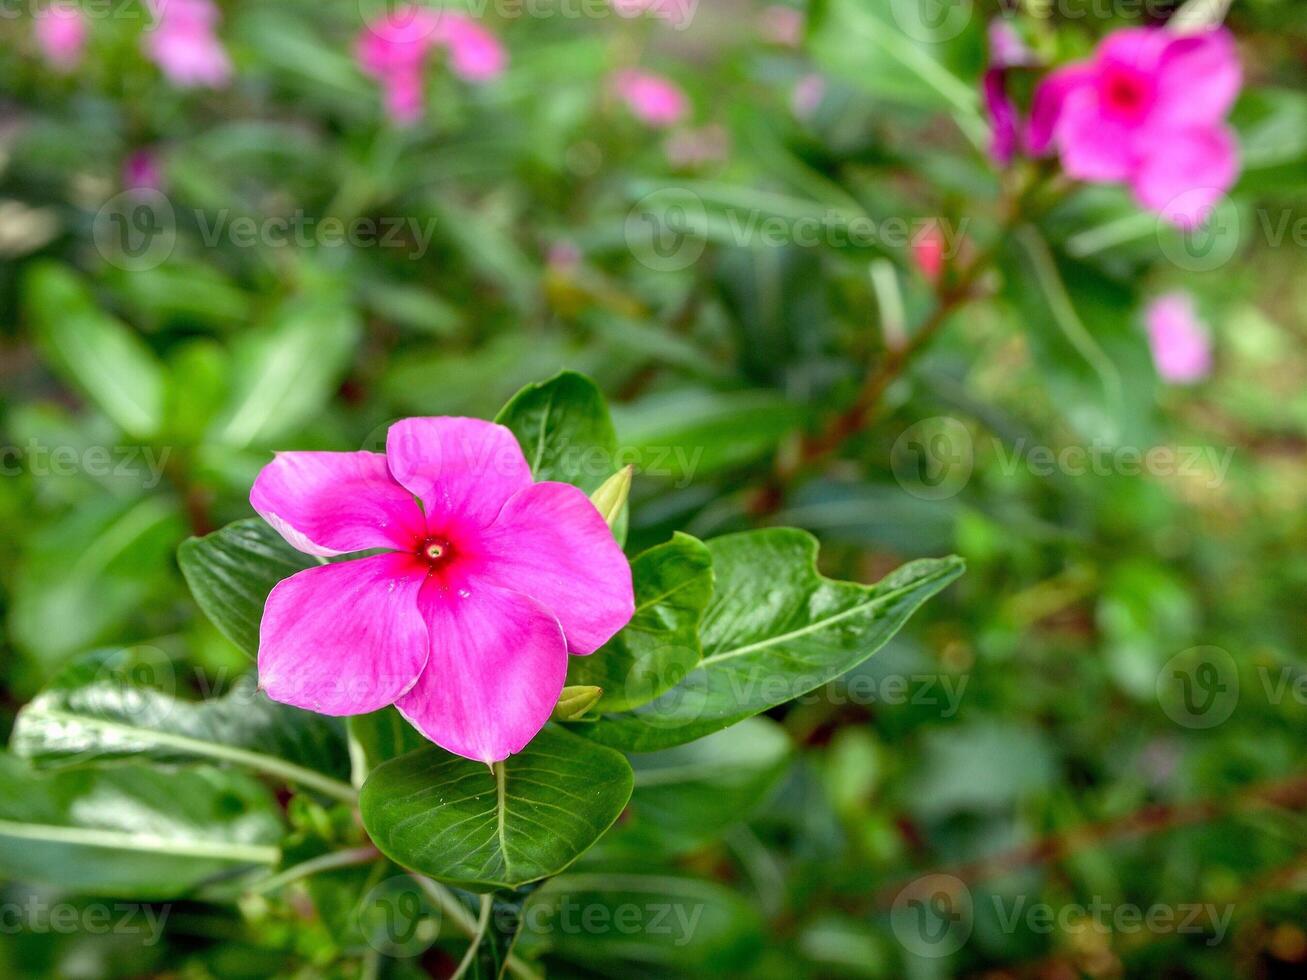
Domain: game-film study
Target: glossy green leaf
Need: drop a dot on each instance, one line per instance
(564, 429)
(775, 630)
(97, 353)
(117, 704)
(459, 822)
(231, 572)
(380, 736)
(131, 831)
(660, 645)
(635, 924)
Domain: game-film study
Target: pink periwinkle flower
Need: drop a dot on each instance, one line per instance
(393, 49)
(1181, 345)
(653, 99)
(464, 621)
(781, 25)
(928, 252)
(141, 171)
(60, 31)
(1149, 110)
(807, 95)
(185, 45)
(677, 13)
(1006, 51)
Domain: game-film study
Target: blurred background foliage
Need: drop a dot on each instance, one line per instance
(1013, 737)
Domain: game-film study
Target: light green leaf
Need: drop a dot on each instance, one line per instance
(96, 353)
(133, 831)
(455, 820)
(116, 705)
(660, 645)
(564, 429)
(231, 572)
(775, 630)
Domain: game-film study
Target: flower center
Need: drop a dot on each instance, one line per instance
(1126, 94)
(435, 551)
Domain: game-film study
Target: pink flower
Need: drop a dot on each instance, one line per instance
(781, 25)
(677, 13)
(393, 49)
(1006, 51)
(141, 172)
(61, 35)
(465, 621)
(1181, 347)
(183, 43)
(928, 252)
(1149, 110)
(653, 99)
(807, 95)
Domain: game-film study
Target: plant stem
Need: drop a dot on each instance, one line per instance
(462, 919)
(483, 923)
(324, 862)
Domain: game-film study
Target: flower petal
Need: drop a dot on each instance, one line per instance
(552, 544)
(345, 638)
(1198, 79)
(1184, 173)
(328, 504)
(1046, 109)
(461, 469)
(498, 663)
(1093, 146)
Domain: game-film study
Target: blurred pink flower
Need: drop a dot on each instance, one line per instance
(1180, 342)
(60, 31)
(1149, 110)
(394, 48)
(653, 99)
(678, 13)
(807, 95)
(183, 43)
(781, 25)
(141, 172)
(1006, 51)
(465, 618)
(928, 252)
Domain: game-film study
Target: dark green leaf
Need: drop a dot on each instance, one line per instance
(564, 429)
(455, 820)
(231, 572)
(660, 645)
(774, 631)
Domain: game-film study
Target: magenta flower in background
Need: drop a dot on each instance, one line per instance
(1006, 51)
(60, 31)
(141, 172)
(466, 619)
(1149, 110)
(1181, 344)
(806, 97)
(184, 43)
(781, 25)
(393, 49)
(652, 99)
(928, 252)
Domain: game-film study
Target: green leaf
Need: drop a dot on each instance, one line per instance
(98, 354)
(284, 375)
(381, 736)
(564, 429)
(774, 631)
(231, 572)
(133, 831)
(456, 821)
(660, 645)
(116, 704)
(691, 794)
(644, 925)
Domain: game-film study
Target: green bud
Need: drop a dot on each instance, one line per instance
(575, 701)
(610, 498)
